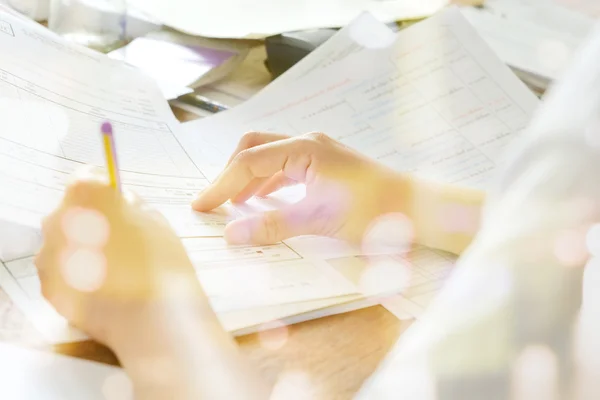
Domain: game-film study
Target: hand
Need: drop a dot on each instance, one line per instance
(113, 267)
(345, 191)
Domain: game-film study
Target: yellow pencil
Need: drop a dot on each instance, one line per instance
(111, 155)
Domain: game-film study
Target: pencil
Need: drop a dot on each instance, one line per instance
(110, 152)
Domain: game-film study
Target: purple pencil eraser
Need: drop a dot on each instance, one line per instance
(107, 128)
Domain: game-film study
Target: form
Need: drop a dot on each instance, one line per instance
(53, 99)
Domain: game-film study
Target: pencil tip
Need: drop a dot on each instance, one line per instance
(107, 128)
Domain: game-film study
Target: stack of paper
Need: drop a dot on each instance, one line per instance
(434, 100)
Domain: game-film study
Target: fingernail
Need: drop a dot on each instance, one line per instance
(238, 232)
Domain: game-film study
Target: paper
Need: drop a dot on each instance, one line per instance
(365, 35)
(230, 288)
(53, 99)
(262, 18)
(274, 283)
(179, 62)
(31, 375)
(51, 111)
(533, 36)
(437, 102)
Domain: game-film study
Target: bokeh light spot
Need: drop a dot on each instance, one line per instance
(388, 234)
(570, 248)
(275, 337)
(86, 227)
(372, 35)
(457, 218)
(592, 240)
(535, 374)
(591, 287)
(385, 275)
(83, 269)
(293, 385)
(117, 387)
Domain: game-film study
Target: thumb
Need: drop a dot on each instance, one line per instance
(274, 226)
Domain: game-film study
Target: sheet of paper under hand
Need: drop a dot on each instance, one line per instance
(262, 18)
(33, 375)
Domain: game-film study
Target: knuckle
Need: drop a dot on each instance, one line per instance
(88, 193)
(319, 137)
(306, 143)
(84, 187)
(250, 139)
(244, 157)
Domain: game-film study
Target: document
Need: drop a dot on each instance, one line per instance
(53, 98)
(261, 18)
(436, 102)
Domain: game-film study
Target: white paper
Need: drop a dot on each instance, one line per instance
(32, 375)
(534, 36)
(262, 18)
(444, 108)
(364, 35)
(53, 99)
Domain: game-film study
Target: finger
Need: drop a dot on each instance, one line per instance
(303, 218)
(278, 181)
(92, 193)
(89, 173)
(253, 139)
(264, 229)
(249, 190)
(292, 156)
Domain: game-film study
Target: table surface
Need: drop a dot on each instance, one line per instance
(336, 353)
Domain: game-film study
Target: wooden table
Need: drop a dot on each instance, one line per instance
(336, 353)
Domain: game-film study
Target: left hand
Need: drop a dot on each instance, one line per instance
(345, 191)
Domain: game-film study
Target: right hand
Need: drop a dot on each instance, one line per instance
(345, 191)
(114, 267)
